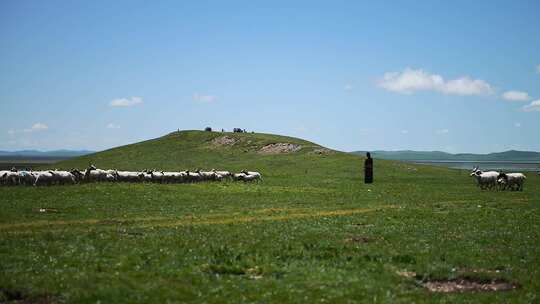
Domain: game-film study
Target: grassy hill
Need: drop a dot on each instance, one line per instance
(198, 150)
(190, 150)
(310, 232)
(511, 155)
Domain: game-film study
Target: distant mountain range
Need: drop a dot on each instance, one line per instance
(36, 153)
(511, 155)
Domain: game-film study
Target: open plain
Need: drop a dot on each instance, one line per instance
(310, 232)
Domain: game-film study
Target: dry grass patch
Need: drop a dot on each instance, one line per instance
(468, 285)
(359, 239)
(279, 148)
(224, 141)
(460, 284)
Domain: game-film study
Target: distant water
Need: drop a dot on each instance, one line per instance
(484, 165)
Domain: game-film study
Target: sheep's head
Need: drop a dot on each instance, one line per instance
(477, 173)
(502, 176)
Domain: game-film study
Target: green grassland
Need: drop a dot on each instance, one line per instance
(311, 232)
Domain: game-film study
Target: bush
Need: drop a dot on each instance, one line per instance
(208, 129)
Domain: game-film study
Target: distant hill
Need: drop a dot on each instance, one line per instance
(198, 149)
(39, 154)
(511, 155)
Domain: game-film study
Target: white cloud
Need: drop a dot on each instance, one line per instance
(204, 98)
(113, 126)
(126, 102)
(37, 127)
(404, 131)
(538, 69)
(517, 125)
(467, 86)
(534, 106)
(516, 96)
(348, 87)
(443, 131)
(410, 81)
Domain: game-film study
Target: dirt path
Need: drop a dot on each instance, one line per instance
(157, 222)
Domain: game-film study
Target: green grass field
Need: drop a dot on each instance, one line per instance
(311, 232)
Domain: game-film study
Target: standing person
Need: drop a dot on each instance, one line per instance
(368, 169)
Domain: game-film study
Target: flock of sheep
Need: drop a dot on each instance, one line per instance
(92, 174)
(485, 180)
(498, 180)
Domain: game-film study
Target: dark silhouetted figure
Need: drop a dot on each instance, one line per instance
(368, 169)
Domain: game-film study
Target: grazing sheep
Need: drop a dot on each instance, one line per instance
(513, 181)
(174, 177)
(223, 174)
(239, 176)
(63, 177)
(207, 175)
(44, 178)
(127, 176)
(193, 177)
(252, 177)
(145, 176)
(485, 180)
(10, 178)
(244, 176)
(3, 173)
(157, 176)
(27, 178)
(257, 174)
(79, 176)
(94, 174)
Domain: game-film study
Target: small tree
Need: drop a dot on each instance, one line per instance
(208, 129)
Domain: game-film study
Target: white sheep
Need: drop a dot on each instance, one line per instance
(514, 181)
(44, 178)
(207, 175)
(239, 176)
(63, 177)
(144, 176)
(11, 178)
(223, 174)
(157, 176)
(246, 177)
(252, 177)
(3, 174)
(94, 174)
(257, 174)
(26, 178)
(485, 179)
(79, 176)
(127, 176)
(193, 176)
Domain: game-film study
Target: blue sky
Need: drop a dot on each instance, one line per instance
(454, 76)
